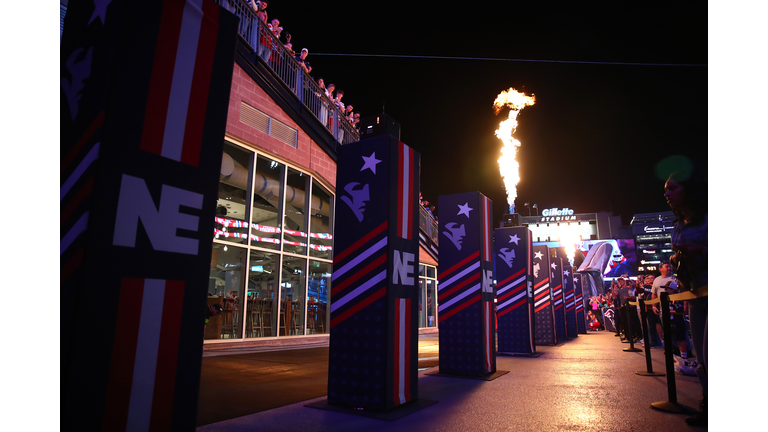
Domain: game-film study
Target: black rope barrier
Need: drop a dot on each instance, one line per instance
(671, 405)
(630, 333)
(646, 339)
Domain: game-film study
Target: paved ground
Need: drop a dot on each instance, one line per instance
(586, 384)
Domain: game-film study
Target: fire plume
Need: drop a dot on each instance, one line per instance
(569, 237)
(508, 166)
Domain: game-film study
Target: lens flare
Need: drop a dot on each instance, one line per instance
(508, 166)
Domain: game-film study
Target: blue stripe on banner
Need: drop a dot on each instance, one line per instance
(461, 275)
(359, 290)
(447, 304)
(511, 285)
(360, 258)
(512, 300)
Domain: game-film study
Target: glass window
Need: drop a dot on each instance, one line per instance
(231, 223)
(431, 288)
(432, 272)
(295, 220)
(319, 289)
(292, 296)
(320, 222)
(262, 295)
(422, 312)
(267, 193)
(225, 287)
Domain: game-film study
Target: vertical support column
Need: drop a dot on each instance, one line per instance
(514, 290)
(373, 360)
(581, 314)
(144, 94)
(465, 287)
(558, 295)
(570, 300)
(543, 308)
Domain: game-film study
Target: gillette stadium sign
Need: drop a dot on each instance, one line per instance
(557, 212)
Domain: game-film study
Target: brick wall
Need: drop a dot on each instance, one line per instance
(307, 155)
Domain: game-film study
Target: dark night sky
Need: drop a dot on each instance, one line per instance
(596, 132)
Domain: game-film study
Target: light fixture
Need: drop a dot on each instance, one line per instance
(225, 248)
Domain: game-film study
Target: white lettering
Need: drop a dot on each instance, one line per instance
(487, 285)
(403, 268)
(136, 203)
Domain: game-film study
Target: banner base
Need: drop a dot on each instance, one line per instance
(393, 414)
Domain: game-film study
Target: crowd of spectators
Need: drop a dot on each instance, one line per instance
(428, 207)
(267, 50)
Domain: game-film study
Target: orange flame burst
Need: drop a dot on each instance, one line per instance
(508, 166)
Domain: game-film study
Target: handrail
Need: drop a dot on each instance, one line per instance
(285, 66)
(428, 224)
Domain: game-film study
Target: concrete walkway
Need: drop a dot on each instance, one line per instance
(586, 384)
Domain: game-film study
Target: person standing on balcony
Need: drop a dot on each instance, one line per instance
(275, 27)
(340, 106)
(289, 47)
(349, 114)
(264, 43)
(260, 8)
(302, 59)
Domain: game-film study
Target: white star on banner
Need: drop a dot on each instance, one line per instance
(514, 239)
(370, 162)
(464, 209)
(538, 255)
(554, 266)
(100, 11)
(567, 273)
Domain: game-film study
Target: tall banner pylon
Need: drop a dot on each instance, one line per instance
(465, 285)
(373, 359)
(544, 311)
(514, 290)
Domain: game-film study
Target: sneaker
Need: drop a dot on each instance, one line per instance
(685, 366)
(700, 419)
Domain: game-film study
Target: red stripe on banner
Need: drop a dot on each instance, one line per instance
(162, 77)
(459, 264)
(568, 309)
(400, 175)
(123, 354)
(407, 350)
(353, 310)
(486, 231)
(511, 308)
(542, 306)
(201, 82)
(464, 305)
(540, 283)
(459, 286)
(92, 128)
(411, 167)
(396, 358)
(502, 283)
(72, 265)
(542, 294)
(511, 292)
(167, 356)
(362, 272)
(78, 199)
(487, 323)
(558, 307)
(337, 258)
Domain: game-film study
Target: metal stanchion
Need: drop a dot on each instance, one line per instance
(648, 364)
(670, 405)
(630, 333)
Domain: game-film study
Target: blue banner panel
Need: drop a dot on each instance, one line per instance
(514, 289)
(543, 308)
(143, 108)
(465, 285)
(373, 359)
(558, 294)
(580, 301)
(570, 303)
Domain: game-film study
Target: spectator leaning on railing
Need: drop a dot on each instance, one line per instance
(302, 59)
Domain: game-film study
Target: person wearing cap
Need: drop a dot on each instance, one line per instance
(302, 59)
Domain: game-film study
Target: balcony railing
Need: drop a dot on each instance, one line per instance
(271, 50)
(428, 224)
